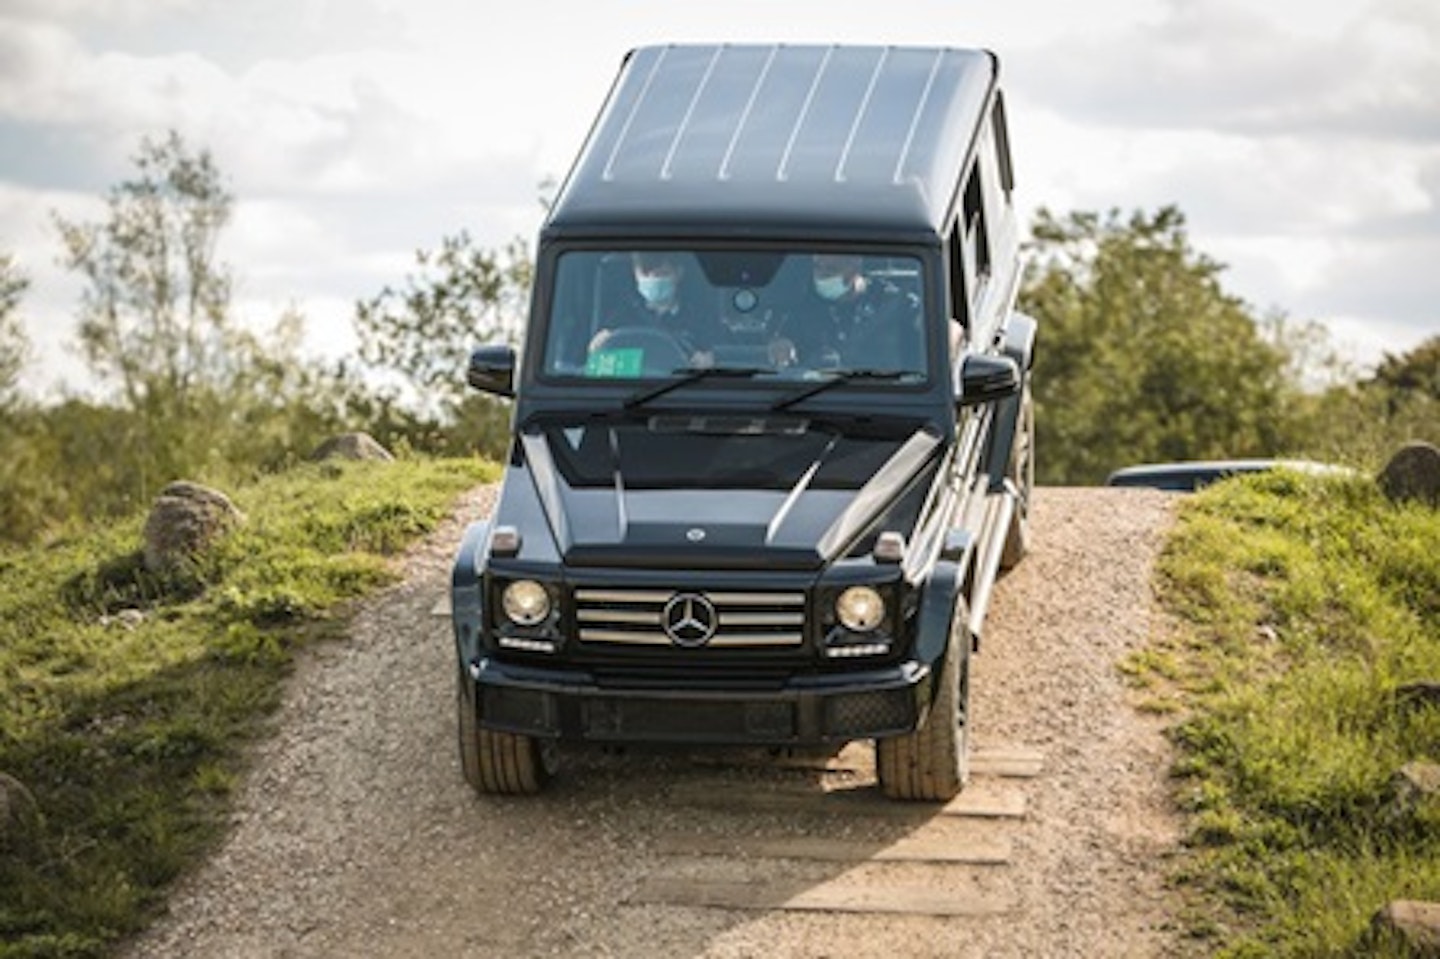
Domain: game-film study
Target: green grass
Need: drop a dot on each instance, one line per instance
(1304, 603)
(129, 737)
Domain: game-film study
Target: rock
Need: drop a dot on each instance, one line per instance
(1414, 783)
(19, 815)
(351, 446)
(126, 619)
(1413, 473)
(185, 521)
(1412, 925)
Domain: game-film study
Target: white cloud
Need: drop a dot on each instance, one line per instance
(1338, 69)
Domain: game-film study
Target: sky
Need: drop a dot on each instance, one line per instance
(1301, 139)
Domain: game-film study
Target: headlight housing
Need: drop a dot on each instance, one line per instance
(526, 602)
(860, 609)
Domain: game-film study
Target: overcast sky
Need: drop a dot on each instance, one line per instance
(1301, 139)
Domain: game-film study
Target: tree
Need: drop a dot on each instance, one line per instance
(461, 297)
(1143, 356)
(1417, 371)
(14, 345)
(155, 311)
(200, 394)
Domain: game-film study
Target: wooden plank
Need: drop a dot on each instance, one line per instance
(1007, 765)
(987, 804)
(822, 897)
(972, 851)
(982, 802)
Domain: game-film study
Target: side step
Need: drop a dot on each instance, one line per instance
(999, 510)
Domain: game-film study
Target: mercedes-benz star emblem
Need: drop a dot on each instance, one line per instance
(689, 619)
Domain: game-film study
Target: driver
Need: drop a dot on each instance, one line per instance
(658, 304)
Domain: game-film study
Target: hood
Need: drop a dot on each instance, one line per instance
(710, 493)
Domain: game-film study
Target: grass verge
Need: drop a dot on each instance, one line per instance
(1304, 604)
(126, 697)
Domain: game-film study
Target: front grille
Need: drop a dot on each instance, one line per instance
(750, 619)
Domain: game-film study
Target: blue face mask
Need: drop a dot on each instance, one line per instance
(831, 287)
(656, 289)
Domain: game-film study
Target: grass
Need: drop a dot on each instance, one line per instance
(1304, 604)
(128, 729)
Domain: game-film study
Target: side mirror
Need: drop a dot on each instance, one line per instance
(492, 370)
(985, 379)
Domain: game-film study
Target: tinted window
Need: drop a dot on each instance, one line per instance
(803, 314)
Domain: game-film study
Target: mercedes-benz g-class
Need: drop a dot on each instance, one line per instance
(772, 420)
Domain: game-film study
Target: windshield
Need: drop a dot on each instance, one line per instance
(800, 314)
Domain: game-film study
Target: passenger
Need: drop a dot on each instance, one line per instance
(658, 305)
(851, 321)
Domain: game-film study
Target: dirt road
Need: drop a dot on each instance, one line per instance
(356, 835)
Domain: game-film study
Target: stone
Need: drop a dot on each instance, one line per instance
(1413, 474)
(126, 619)
(351, 446)
(1415, 783)
(1412, 925)
(186, 520)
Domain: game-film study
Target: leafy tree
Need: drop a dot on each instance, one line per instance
(461, 297)
(14, 345)
(1364, 422)
(1417, 371)
(1143, 356)
(155, 310)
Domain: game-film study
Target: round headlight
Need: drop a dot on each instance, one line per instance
(860, 609)
(526, 602)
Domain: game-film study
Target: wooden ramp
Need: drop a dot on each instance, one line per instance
(878, 857)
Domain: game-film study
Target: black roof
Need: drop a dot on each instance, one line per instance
(779, 140)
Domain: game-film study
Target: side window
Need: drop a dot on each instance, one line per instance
(959, 305)
(1002, 146)
(977, 237)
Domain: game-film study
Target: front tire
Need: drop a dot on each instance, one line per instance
(497, 763)
(932, 763)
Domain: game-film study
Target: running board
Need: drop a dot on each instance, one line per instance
(999, 510)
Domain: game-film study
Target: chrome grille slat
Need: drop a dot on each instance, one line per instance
(630, 636)
(641, 616)
(746, 619)
(742, 640)
(623, 596)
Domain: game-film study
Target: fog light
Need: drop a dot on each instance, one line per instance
(526, 602)
(860, 609)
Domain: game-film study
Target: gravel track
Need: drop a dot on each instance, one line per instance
(355, 835)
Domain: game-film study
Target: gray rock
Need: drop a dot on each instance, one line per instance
(186, 520)
(351, 446)
(1413, 473)
(1415, 783)
(1411, 925)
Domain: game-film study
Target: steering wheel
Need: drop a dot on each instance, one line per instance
(660, 350)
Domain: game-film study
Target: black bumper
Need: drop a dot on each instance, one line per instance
(805, 711)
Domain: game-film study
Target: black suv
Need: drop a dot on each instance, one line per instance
(772, 424)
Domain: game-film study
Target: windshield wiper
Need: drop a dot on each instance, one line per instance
(841, 376)
(694, 374)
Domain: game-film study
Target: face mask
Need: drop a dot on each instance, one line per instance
(831, 287)
(656, 289)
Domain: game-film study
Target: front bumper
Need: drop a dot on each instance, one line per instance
(808, 710)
